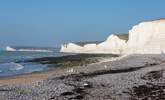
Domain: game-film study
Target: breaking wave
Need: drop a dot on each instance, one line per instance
(16, 67)
(12, 66)
(8, 48)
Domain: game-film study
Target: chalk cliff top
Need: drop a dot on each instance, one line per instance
(123, 36)
(156, 20)
(147, 37)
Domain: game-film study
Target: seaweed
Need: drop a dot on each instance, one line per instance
(71, 60)
(147, 92)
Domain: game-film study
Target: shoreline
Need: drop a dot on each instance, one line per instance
(53, 72)
(41, 75)
(31, 77)
(131, 77)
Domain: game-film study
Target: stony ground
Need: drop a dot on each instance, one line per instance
(135, 77)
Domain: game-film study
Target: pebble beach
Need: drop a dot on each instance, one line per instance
(132, 77)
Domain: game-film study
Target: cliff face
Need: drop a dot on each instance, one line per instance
(144, 38)
(70, 48)
(113, 45)
(147, 37)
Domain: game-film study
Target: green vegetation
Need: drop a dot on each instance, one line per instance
(123, 36)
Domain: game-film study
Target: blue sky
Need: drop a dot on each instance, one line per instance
(52, 22)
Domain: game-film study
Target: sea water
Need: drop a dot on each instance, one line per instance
(12, 62)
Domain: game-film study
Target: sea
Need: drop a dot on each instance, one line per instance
(12, 62)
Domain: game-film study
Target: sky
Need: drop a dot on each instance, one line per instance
(49, 23)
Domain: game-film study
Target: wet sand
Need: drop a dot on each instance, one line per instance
(31, 77)
(27, 78)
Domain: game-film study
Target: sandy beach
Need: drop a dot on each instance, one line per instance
(56, 71)
(133, 77)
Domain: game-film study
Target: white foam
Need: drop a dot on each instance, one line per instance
(34, 50)
(8, 48)
(16, 66)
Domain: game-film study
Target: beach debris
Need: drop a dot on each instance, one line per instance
(67, 93)
(105, 66)
(85, 84)
(70, 70)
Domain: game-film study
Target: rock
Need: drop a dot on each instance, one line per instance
(70, 47)
(113, 45)
(147, 37)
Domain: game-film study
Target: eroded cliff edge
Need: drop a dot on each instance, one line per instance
(144, 38)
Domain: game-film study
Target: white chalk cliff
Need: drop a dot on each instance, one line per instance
(71, 48)
(147, 37)
(113, 45)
